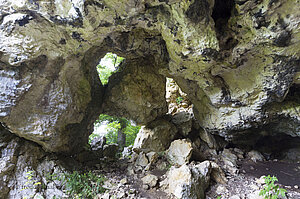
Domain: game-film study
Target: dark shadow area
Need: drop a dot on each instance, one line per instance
(287, 173)
(221, 13)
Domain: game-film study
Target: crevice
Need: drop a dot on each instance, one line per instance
(222, 11)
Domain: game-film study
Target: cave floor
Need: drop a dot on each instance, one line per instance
(288, 173)
(247, 184)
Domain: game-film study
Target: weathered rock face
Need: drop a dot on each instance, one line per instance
(21, 159)
(189, 182)
(236, 60)
(156, 136)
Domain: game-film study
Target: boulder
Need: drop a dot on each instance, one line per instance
(110, 150)
(183, 122)
(217, 174)
(180, 152)
(208, 138)
(156, 136)
(189, 182)
(152, 157)
(98, 143)
(141, 160)
(255, 156)
(150, 180)
(230, 161)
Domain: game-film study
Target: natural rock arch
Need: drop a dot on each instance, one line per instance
(51, 94)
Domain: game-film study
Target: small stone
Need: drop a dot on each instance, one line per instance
(260, 180)
(142, 160)
(239, 151)
(253, 186)
(234, 197)
(130, 170)
(121, 194)
(240, 156)
(124, 181)
(150, 180)
(255, 156)
(296, 187)
(251, 167)
(132, 191)
(221, 189)
(146, 187)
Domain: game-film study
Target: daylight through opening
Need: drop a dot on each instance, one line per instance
(110, 129)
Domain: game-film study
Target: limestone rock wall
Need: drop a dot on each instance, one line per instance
(236, 60)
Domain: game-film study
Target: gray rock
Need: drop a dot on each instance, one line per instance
(180, 152)
(234, 197)
(292, 154)
(50, 92)
(183, 122)
(208, 138)
(150, 180)
(229, 158)
(217, 174)
(152, 157)
(142, 160)
(98, 143)
(189, 182)
(255, 156)
(156, 136)
(110, 150)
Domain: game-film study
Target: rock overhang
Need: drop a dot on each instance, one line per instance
(48, 51)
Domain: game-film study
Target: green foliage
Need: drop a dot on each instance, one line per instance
(131, 132)
(112, 132)
(219, 197)
(86, 185)
(114, 125)
(270, 190)
(105, 71)
(179, 100)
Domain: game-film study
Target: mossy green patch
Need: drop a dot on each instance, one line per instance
(83, 95)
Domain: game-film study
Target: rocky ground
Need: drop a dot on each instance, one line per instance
(243, 181)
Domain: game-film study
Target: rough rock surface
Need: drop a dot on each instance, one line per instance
(189, 183)
(180, 152)
(20, 160)
(156, 136)
(238, 62)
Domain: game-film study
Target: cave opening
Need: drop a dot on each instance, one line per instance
(270, 141)
(112, 129)
(109, 65)
(281, 146)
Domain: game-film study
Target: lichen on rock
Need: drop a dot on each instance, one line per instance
(234, 61)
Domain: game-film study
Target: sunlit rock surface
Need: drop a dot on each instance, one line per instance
(237, 62)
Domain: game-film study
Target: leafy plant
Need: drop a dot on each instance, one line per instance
(270, 190)
(219, 197)
(115, 127)
(179, 100)
(86, 185)
(107, 66)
